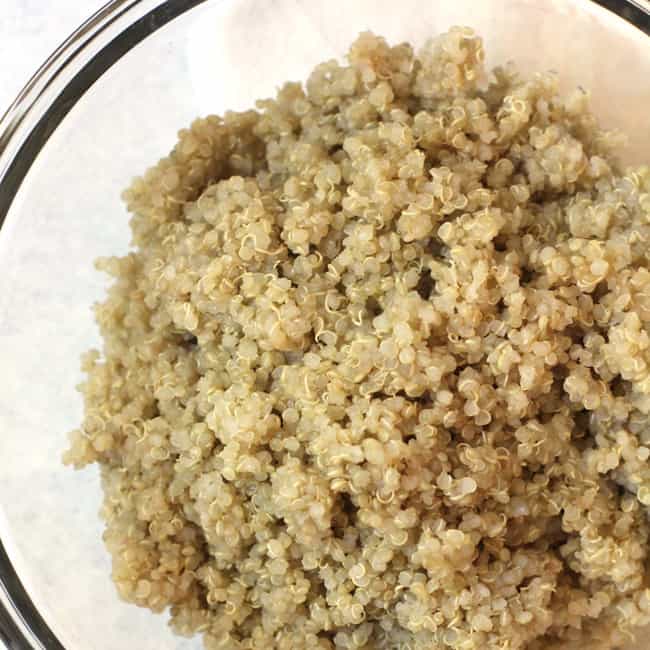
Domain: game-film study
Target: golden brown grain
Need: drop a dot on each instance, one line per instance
(377, 373)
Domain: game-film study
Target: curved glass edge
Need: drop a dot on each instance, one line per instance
(636, 12)
(26, 127)
(21, 625)
(15, 121)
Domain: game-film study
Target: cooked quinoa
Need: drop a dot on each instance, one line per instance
(377, 371)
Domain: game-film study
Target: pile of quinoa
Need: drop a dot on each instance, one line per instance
(377, 371)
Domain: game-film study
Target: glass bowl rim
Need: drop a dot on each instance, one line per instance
(26, 126)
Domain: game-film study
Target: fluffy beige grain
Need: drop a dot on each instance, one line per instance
(377, 373)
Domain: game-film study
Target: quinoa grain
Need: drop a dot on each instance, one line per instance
(377, 373)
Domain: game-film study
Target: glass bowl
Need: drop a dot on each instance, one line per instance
(106, 105)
